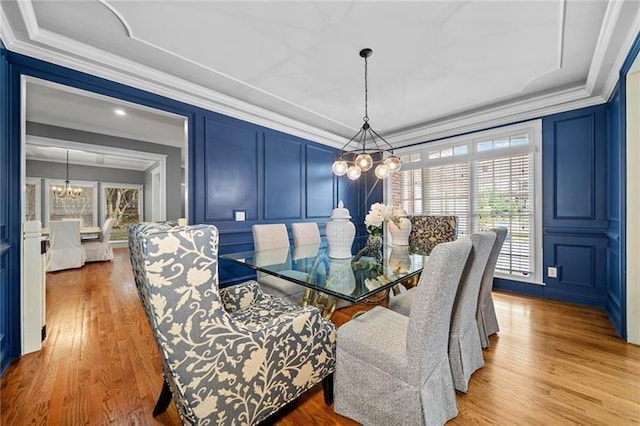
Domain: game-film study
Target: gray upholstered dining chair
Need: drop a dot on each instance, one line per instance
(269, 237)
(465, 350)
(230, 356)
(486, 312)
(394, 369)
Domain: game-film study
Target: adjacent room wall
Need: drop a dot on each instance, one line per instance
(174, 162)
(77, 172)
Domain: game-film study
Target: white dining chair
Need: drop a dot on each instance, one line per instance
(305, 233)
(79, 219)
(65, 251)
(267, 238)
(100, 250)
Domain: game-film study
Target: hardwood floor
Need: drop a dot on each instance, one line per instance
(552, 364)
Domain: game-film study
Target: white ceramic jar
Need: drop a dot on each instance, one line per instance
(340, 233)
(399, 233)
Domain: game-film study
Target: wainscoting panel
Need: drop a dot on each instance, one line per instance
(321, 191)
(230, 171)
(581, 266)
(574, 168)
(283, 177)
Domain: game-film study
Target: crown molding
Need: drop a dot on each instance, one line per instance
(6, 32)
(611, 15)
(107, 65)
(70, 53)
(508, 113)
(625, 48)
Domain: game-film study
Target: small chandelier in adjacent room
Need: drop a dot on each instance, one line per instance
(67, 191)
(354, 162)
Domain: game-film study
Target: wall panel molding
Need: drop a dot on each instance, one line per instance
(284, 183)
(230, 171)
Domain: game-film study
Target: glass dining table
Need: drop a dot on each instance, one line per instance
(355, 279)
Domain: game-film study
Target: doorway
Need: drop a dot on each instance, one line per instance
(115, 144)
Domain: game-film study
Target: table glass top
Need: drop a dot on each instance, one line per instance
(353, 279)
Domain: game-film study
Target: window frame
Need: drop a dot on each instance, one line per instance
(60, 182)
(534, 131)
(38, 201)
(103, 201)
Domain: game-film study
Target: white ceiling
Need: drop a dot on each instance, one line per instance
(438, 68)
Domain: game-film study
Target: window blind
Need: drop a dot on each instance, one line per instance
(503, 196)
(446, 190)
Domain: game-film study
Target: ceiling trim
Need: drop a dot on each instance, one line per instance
(107, 65)
(497, 116)
(112, 67)
(563, 18)
(218, 72)
(110, 132)
(95, 149)
(614, 74)
(120, 17)
(611, 15)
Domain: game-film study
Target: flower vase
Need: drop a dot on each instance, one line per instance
(374, 245)
(399, 228)
(399, 260)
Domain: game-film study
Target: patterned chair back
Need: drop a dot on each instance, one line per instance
(429, 231)
(221, 367)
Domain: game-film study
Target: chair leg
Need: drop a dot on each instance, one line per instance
(327, 389)
(163, 400)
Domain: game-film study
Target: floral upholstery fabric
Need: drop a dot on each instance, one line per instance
(429, 231)
(230, 357)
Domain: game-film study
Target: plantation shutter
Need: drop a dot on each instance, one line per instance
(447, 193)
(503, 196)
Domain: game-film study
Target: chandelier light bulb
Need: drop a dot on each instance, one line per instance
(354, 172)
(339, 167)
(364, 161)
(382, 171)
(393, 163)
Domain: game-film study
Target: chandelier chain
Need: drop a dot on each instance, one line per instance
(366, 92)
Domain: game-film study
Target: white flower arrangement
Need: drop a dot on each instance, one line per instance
(377, 216)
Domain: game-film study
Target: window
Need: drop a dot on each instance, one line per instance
(83, 207)
(32, 198)
(123, 203)
(487, 179)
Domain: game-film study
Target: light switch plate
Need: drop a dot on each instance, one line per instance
(552, 272)
(240, 215)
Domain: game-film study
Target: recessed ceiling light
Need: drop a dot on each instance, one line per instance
(120, 111)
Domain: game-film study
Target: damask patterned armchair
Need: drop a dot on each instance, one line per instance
(429, 231)
(232, 355)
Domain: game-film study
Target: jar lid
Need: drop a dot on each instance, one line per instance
(340, 212)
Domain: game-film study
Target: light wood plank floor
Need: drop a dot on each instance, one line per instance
(552, 364)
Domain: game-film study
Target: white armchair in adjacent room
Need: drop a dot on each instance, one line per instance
(65, 251)
(100, 249)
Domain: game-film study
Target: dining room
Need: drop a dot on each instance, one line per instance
(531, 136)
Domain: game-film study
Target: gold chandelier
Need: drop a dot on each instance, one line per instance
(67, 191)
(360, 159)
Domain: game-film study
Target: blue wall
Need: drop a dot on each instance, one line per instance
(574, 192)
(272, 176)
(574, 164)
(234, 165)
(9, 239)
